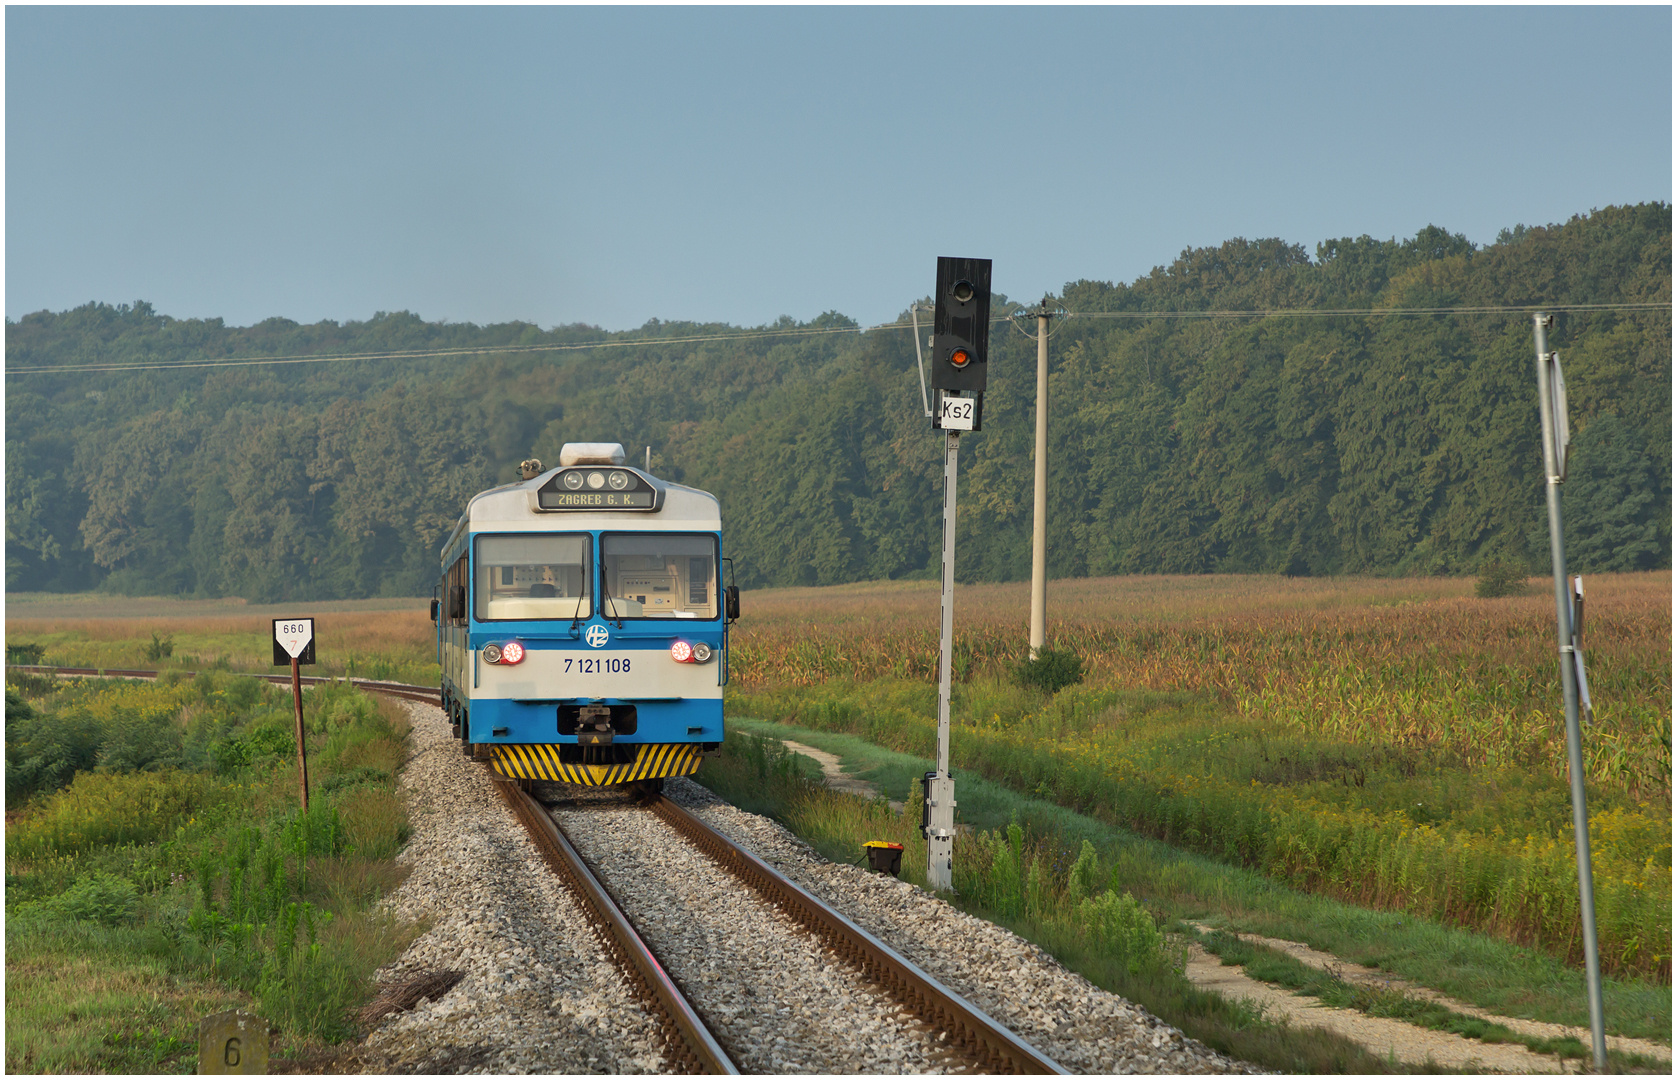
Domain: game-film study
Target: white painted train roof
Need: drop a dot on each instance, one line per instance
(511, 508)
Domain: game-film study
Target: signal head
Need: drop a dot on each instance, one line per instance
(961, 324)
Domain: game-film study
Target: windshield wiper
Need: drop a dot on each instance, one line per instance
(607, 598)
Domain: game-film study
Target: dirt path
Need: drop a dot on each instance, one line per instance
(1365, 976)
(833, 774)
(1388, 1038)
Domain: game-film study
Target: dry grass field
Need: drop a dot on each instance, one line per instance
(1414, 661)
(1394, 741)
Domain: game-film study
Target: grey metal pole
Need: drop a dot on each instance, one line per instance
(940, 791)
(1569, 692)
(1039, 524)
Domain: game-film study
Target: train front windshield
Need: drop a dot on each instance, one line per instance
(545, 576)
(659, 575)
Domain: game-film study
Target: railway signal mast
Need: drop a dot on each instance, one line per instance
(960, 344)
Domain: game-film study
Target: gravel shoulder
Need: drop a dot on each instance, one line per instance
(538, 993)
(1084, 1028)
(775, 997)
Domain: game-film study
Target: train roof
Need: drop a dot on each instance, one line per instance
(513, 508)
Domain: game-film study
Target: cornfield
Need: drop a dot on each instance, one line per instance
(1412, 662)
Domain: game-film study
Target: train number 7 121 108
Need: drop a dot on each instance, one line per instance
(597, 665)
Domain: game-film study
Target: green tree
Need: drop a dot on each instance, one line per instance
(1609, 510)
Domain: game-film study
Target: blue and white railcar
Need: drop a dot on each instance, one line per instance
(582, 626)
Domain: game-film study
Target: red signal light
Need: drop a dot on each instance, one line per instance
(960, 358)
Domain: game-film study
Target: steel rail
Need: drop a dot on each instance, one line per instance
(403, 690)
(689, 1041)
(972, 1032)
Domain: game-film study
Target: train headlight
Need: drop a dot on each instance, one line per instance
(573, 480)
(596, 480)
(618, 480)
(701, 652)
(510, 653)
(681, 652)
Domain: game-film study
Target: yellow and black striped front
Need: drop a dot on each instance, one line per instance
(540, 761)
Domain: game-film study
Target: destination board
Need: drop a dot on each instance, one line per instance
(597, 500)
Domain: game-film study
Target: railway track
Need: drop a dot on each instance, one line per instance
(429, 695)
(934, 1027)
(970, 1038)
(686, 1038)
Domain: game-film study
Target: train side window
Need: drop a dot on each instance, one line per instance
(456, 594)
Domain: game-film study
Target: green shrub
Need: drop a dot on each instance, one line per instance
(1120, 924)
(1001, 874)
(1500, 576)
(24, 652)
(140, 739)
(160, 648)
(269, 735)
(43, 751)
(102, 898)
(1053, 670)
(106, 809)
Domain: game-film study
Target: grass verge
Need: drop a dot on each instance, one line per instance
(1484, 971)
(158, 868)
(1071, 911)
(1408, 827)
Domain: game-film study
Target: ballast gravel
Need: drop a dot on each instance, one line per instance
(1082, 1027)
(538, 993)
(775, 998)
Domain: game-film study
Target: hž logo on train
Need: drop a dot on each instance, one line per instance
(598, 635)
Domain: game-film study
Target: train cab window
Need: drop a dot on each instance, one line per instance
(659, 576)
(532, 576)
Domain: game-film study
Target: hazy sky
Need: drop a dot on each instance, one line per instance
(611, 165)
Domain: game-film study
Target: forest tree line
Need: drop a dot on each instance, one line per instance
(1374, 442)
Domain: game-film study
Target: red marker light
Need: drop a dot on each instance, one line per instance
(512, 652)
(682, 652)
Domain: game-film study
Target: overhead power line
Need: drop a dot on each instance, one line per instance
(748, 335)
(1273, 313)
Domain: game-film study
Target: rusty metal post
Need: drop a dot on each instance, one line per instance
(302, 752)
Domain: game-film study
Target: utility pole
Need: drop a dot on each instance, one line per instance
(1551, 399)
(1039, 521)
